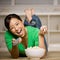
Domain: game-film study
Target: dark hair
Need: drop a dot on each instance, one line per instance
(8, 18)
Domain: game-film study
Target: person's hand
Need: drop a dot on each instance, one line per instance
(43, 30)
(19, 40)
(16, 41)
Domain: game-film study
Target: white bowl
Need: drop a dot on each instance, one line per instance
(35, 52)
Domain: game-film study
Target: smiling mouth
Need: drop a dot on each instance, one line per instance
(19, 32)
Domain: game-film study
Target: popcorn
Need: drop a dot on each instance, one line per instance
(35, 47)
(44, 29)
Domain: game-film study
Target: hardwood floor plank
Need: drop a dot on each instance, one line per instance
(50, 56)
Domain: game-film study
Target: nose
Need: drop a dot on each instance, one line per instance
(16, 28)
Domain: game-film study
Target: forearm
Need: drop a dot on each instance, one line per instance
(14, 52)
(42, 45)
(41, 42)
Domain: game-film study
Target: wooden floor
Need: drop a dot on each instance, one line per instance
(50, 56)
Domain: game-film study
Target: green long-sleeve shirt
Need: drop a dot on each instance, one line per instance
(32, 35)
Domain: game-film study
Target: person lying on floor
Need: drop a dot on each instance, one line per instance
(18, 37)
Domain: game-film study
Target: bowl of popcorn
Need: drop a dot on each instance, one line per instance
(35, 52)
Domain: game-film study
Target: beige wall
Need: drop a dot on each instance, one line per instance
(52, 21)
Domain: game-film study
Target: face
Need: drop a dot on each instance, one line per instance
(17, 27)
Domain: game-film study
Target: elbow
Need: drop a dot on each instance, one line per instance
(14, 55)
(44, 55)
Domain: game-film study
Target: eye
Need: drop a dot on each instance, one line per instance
(11, 28)
(17, 24)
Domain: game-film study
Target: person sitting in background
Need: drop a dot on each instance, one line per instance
(18, 37)
(32, 19)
